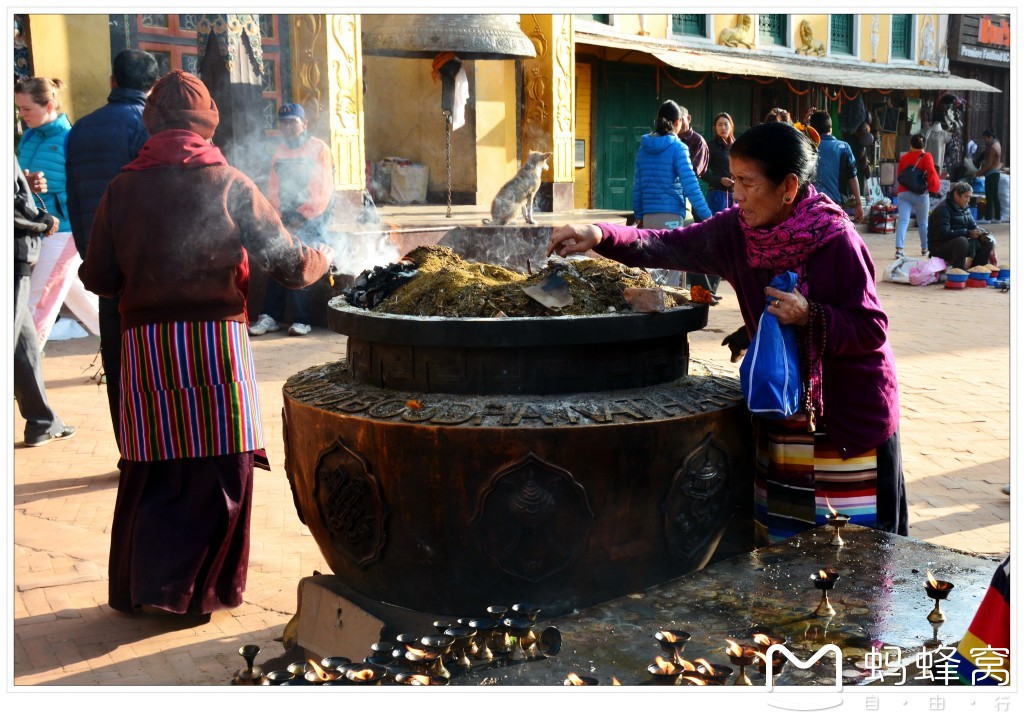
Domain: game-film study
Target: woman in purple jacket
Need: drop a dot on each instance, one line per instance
(845, 446)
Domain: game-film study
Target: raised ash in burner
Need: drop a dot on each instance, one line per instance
(432, 280)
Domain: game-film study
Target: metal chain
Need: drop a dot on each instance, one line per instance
(448, 156)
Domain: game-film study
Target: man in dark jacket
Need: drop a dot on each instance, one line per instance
(31, 224)
(953, 235)
(98, 146)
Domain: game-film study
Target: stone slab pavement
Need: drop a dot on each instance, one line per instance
(953, 356)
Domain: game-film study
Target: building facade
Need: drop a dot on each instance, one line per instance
(587, 96)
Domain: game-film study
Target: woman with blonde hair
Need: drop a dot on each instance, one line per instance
(54, 278)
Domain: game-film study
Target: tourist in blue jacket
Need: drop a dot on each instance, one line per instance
(41, 155)
(664, 180)
(98, 146)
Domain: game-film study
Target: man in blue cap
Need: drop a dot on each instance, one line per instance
(301, 188)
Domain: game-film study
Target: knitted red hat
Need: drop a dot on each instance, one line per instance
(179, 100)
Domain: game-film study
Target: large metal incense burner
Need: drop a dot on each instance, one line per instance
(449, 464)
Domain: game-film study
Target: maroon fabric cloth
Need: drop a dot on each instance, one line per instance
(859, 387)
(180, 536)
(176, 148)
(179, 100)
(176, 243)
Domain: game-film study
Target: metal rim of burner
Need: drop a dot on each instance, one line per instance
(429, 659)
(463, 636)
(674, 646)
(938, 592)
(825, 583)
(441, 625)
(299, 668)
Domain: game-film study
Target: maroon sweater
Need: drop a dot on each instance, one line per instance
(176, 244)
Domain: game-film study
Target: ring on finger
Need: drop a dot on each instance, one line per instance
(776, 303)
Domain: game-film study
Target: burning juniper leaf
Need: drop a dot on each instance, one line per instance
(414, 404)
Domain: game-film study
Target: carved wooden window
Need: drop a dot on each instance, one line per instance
(172, 39)
(772, 28)
(841, 33)
(690, 24)
(901, 36)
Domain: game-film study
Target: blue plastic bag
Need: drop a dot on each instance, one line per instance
(770, 372)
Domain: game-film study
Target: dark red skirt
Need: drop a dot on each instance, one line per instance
(180, 537)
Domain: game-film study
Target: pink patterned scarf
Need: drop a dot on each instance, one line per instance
(814, 222)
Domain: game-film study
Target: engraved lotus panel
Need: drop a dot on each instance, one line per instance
(533, 519)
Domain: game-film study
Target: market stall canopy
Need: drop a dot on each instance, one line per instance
(815, 71)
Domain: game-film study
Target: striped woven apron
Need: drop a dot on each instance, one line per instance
(797, 476)
(188, 389)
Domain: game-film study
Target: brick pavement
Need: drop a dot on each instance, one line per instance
(953, 358)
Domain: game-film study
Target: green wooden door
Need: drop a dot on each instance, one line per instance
(625, 105)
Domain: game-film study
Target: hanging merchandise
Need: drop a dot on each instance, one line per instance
(853, 114)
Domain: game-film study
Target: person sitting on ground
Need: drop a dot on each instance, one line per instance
(953, 233)
(301, 187)
(851, 403)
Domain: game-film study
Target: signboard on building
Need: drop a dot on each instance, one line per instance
(980, 39)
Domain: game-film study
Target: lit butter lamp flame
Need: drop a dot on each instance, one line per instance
(837, 521)
(362, 675)
(763, 639)
(616, 682)
(666, 666)
(736, 651)
(741, 656)
(705, 666)
(418, 680)
(321, 675)
(694, 680)
(573, 680)
(669, 637)
(417, 653)
(938, 590)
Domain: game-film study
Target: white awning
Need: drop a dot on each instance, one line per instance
(797, 69)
